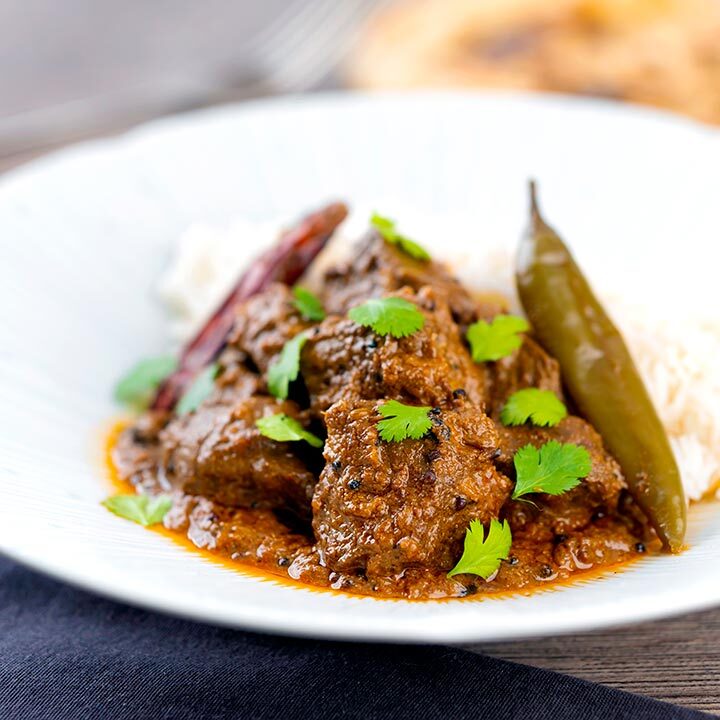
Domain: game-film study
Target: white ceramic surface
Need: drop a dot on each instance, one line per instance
(84, 233)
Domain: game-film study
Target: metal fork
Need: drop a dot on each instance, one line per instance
(301, 51)
(296, 52)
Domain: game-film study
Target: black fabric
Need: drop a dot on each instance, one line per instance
(65, 654)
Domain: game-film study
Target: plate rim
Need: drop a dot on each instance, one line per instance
(242, 616)
(335, 97)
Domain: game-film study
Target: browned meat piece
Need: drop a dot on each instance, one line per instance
(343, 359)
(529, 366)
(264, 323)
(234, 381)
(255, 536)
(381, 507)
(386, 519)
(136, 451)
(607, 540)
(540, 556)
(379, 269)
(573, 510)
(284, 262)
(217, 452)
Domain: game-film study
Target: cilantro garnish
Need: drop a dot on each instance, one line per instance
(142, 509)
(541, 407)
(389, 316)
(497, 339)
(403, 421)
(138, 386)
(283, 428)
(308, 304)
(287, 367)
(482, 555)
(553, 469)
(202, 386)
(386, 228)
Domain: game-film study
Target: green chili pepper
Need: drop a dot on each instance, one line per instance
(600, 374)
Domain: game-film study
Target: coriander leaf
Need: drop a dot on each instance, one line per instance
(403, 421)
(136, 388)
(495, 340)
(283, 428)
(542, 407)
(482, 556)
(386, 228)
(202, 386)
(308, 304)
(389, 316)
(411, 248)
(142, 509)
(553, 469)
(286, 368)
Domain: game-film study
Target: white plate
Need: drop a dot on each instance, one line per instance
(84, 234)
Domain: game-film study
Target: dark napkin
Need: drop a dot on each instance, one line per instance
(66, 654)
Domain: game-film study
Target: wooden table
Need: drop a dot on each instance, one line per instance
(55, 54)
(676, 660)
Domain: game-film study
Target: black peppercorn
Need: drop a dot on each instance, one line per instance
(354, 484)
(460, 502)
(428, 477)
(546, 571)
(443, 431)
(640, 547)
(433, 455)
(336, 465)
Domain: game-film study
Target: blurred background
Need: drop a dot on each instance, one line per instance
(74, 69)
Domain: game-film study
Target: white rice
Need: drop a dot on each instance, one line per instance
(677, 353)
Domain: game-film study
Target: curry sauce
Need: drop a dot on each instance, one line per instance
(277, 574)
(368, 514)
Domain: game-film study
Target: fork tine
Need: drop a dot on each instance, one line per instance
(274, 29)
(312, 61)
(296, 31)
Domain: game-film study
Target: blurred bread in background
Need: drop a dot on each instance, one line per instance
(658, 52)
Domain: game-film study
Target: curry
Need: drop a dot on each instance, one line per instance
(395, 436)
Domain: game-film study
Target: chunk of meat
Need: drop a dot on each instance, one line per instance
(528, 366)
(572, 510)
(264, 323)
(342, 359)
(218, 452)
(388, 519)
(538, 556)
(253, 536)
(138, 451)
(284, 262)
(382, 507)
(379, 269)
(135, 454)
